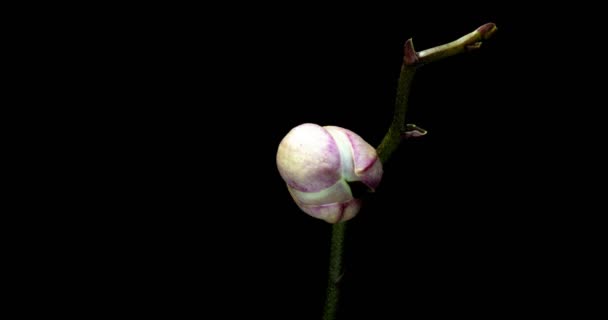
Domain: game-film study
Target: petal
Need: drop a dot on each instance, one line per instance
(339, 192)
(372, 175)
(308, 158)
(366, 164)
(334, 212)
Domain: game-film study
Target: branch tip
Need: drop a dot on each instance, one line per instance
(487, 30)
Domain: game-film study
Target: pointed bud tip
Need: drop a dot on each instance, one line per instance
(487, 30)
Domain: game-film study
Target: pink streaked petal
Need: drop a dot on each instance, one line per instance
(339, 192)
(373, 175)
(364, 155)
(367, 165)
(334, 212)
(308, 158)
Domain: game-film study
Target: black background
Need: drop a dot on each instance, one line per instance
(189, 214)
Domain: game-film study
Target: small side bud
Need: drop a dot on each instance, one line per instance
(473, 46)
(413, 131)
(410, 57)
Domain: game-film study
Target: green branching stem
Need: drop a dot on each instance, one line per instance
(392, 138)
(411, 62)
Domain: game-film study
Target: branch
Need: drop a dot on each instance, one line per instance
(396, 132)
(411, 62)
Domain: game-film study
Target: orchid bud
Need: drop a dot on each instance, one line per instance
(317, 163)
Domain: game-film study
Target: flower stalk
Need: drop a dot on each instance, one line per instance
(412, 60)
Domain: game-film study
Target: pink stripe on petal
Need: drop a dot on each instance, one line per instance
(334, 212)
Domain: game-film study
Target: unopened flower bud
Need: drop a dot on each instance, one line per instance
(318, 162)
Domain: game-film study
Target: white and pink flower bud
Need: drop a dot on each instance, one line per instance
(318, 162)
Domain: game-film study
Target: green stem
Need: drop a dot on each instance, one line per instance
(392, 138)
(335, 271)
(411, 62)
